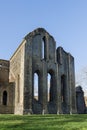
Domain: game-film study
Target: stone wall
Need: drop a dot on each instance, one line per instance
(80, 101)
(17, 76)
(42, 58)
(4, 71)
(85, 100)
(7, 91)
(36, 62)
(66, 81)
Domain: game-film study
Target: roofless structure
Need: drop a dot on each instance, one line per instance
(37, 56)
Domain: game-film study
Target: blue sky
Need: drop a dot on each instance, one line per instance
(65, 20)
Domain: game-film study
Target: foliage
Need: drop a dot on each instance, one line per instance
(43, 122)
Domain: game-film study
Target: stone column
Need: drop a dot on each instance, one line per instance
(71, 80)
(59, 111)
(56, 88)
(59, 73)
(44, 88)
(68, 91)
(59, 95)
(28, 79)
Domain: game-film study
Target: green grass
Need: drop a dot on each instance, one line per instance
(43, 122)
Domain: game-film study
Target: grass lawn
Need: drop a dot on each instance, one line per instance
(43, 122)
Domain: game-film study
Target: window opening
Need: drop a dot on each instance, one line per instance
(43, 48)
(4, 98)
(49, 86)
(36, 83)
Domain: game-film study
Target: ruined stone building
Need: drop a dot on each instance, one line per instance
(37, 55)
(80, 101)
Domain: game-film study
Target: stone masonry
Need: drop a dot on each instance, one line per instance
(80, 101)
(7, 89)
(37, 54)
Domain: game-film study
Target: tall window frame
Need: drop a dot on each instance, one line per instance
(36, 86)
(43, 40)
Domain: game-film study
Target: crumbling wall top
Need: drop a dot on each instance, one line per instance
(79, 89)
(37, 32)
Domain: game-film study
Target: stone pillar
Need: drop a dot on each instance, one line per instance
(59, 92)
(71, 80)
(56, 89)
(44, 87)
(28, 80)
(68, 91)
(59, 73)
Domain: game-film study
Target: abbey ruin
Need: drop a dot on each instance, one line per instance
(37, 55)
